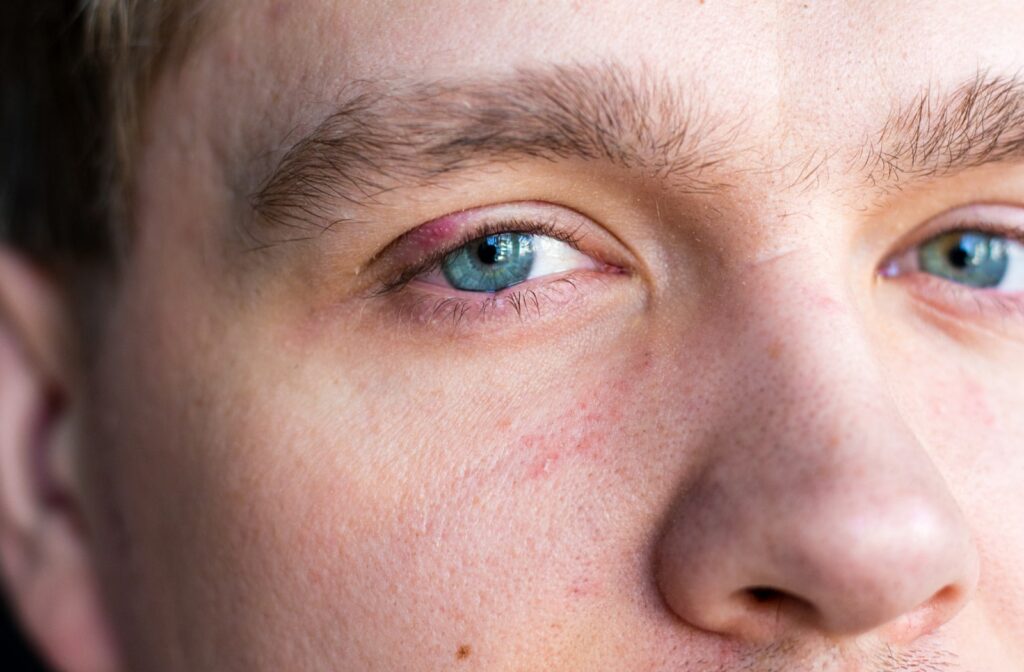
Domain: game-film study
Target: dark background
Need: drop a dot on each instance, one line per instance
(43, 87)
(15, 655)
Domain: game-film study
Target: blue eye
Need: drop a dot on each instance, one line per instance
(970, 258)
(491, 263)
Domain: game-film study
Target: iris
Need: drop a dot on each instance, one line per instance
(971, 258)
(491, 263)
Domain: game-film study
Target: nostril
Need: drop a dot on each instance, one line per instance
(765, 595)
(777, 607)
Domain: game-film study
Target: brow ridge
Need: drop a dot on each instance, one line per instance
(386, 135)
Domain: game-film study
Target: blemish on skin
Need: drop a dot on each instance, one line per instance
(579, 433)
(828, 304)
(584, 586)
(463, 652)
(977, 404)
(542, 464)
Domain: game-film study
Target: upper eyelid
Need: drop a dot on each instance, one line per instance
(434, 259)
(536, 217)
(960, 219)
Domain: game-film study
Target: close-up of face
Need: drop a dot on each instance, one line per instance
(554, 335)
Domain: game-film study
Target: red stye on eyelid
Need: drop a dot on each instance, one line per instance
(435, 233)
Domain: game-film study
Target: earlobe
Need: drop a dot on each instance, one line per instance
(44, 547)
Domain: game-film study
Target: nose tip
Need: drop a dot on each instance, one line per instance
(906, 566)
(899, 566)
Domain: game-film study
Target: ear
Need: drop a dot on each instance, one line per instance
(44, 546)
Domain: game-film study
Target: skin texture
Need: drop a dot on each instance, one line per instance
(275, 470)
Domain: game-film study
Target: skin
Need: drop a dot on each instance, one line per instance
(266, 469)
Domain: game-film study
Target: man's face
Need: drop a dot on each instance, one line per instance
(741, 390)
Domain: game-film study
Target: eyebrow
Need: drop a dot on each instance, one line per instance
(387, 135)
(941, 133)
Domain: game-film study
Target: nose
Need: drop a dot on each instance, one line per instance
(816, 508)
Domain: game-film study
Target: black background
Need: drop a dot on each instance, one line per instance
(40, 47)
(14, 652)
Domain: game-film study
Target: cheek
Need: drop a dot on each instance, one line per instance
(970, 423)
(577, 437)
(965, 398)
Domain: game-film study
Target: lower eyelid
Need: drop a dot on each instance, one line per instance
(965, 304)
(548, 297)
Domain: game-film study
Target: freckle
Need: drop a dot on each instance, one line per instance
(463, 652)
(775, 350)
(504, 423)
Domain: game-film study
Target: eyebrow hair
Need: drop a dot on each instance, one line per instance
(388, 135)
(940, 133)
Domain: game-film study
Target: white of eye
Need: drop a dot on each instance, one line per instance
(551, 256)
(1014, 279)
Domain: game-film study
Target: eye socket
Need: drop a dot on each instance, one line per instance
(502, 260)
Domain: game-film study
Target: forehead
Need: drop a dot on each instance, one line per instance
(805, 73)
(783, 47)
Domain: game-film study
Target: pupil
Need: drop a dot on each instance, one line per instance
(958, 256)
(487, 253)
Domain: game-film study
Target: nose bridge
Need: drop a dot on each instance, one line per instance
(815, 491)
(803, 334)
(805, 383)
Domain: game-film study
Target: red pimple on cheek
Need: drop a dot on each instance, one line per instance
(542, 464)
(976, 404)
(584, 586)
(579, 432)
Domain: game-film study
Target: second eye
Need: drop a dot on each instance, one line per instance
(496, 262)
